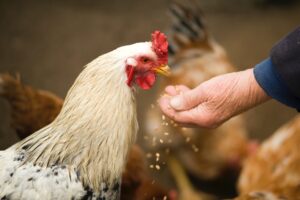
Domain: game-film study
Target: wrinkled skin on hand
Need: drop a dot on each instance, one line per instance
(214, 101)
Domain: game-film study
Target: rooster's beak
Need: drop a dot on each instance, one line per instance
(163, 70)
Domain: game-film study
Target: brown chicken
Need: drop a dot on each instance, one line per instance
(274, 168)
(196, 57)
(264, 195)
(33, 109)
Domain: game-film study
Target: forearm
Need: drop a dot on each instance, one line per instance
(241, 92)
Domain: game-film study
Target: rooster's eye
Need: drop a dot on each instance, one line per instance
(145, 60)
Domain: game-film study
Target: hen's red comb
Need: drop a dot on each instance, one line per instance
(160, 46)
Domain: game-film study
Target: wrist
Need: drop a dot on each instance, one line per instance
(254, 94)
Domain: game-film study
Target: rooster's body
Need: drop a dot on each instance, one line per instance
(82, 153)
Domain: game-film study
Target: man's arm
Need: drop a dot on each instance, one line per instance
(214, 101)
(220, 98)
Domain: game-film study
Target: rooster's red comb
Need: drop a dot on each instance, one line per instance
(160, 46)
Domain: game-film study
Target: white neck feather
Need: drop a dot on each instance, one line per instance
(95, 128)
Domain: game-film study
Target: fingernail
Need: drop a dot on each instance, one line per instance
(175, 102)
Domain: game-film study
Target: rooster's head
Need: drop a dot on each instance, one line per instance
(147, 59)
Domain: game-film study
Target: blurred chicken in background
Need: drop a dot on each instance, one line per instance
(274, 168)
(195, 57)
(186, 189)
(32, 109)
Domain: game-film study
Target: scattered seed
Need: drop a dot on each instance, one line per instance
(151, 166)
(163, 117)
(195, 148)
(146, 137)
(167, 151)
(157, 167)
(187, 139)
(154, 141)
(166, 133)
(149, 155)
(161, 141)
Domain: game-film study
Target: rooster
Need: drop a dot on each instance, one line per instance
(195, 57)
(82, 153)
(34, 108)
(274, 168)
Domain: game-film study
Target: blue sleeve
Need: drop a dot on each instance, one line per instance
(269, 79)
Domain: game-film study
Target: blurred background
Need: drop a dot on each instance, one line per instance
(48, 42)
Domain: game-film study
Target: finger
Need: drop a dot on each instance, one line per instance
(196, 117)
(186, 100)
(174, 90)
(164, 103)
(171, 90)
(181, 89)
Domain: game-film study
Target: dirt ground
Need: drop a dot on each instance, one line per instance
(48, 42)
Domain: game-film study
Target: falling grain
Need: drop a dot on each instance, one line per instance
(157, 157)
(195, 148)
(167, 151)
(188, 139)
(157, 167)
(149, 155)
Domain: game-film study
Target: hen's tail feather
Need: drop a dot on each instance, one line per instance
(188, 26)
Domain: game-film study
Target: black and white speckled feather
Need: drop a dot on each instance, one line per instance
(32, 182)
(188, 26)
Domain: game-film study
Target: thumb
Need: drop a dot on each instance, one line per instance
(186, 100)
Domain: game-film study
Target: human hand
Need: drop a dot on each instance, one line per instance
(214, 101)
